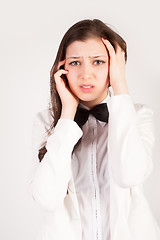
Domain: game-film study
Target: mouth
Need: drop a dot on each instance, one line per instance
(86, 88)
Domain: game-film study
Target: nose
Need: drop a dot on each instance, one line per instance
(86, 71)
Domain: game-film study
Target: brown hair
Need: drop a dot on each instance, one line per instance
(80, 31)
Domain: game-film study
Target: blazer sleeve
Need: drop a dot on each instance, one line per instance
(49, 182)
(131, 140)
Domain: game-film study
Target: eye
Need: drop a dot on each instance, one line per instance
(74, 63)
(98, 62)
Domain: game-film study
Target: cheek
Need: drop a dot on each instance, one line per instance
(71, 80)
(103, 74)
(71, 76)
(103, 77)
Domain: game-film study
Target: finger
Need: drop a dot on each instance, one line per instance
(120, 53)
(109, 47)
(60, 72)
(119, 50)
(61, 63)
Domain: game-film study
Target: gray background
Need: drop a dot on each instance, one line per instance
(30, 34)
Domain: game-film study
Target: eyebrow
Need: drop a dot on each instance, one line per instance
(97, 56)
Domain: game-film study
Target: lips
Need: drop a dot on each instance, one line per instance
(86, 87)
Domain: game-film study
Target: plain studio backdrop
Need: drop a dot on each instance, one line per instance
(30, 34)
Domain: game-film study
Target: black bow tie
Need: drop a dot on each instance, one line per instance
(100, 112)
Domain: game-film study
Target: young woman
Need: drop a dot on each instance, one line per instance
(94, 146)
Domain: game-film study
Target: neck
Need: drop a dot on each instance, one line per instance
(91, 104)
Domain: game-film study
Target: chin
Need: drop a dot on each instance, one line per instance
(86, 99)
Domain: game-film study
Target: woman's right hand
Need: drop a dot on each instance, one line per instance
(68, 99)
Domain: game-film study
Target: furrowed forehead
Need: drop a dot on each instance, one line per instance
(94, 56)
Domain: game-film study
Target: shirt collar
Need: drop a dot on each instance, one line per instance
(104, 101)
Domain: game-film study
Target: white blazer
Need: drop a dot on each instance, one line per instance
(130, 144)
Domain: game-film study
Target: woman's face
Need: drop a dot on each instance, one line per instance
(87, 63)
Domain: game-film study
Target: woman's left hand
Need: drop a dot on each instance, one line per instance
(116, 68)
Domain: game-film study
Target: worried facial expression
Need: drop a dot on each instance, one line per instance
(88, 64)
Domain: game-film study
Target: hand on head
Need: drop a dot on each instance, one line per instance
(68, 99)
(116, 68)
